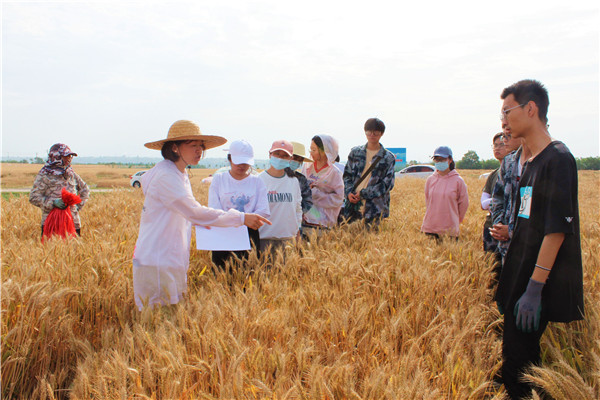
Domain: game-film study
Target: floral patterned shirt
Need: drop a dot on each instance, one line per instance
(47, 188)
(504, 195)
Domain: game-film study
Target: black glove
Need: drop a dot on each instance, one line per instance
(58, 203)
(529, 307)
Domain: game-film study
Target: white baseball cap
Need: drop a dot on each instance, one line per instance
(241, 152)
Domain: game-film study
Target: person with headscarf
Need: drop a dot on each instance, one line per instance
(55, 175)
(162, 252)
(326, 183)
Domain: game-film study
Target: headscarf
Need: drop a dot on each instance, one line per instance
(330, 147)
(55, 165)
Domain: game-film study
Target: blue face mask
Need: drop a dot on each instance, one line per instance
(294, 165)
(442, 166)
(278, 163)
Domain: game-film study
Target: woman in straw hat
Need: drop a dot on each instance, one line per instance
(162, 252)
(298, 159)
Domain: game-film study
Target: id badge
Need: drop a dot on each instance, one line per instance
(525, 208)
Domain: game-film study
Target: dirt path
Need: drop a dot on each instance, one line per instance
(21, 190)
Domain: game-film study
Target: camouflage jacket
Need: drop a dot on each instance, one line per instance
(504, 196)
(377, 194)
(489, 243)
(47, 188)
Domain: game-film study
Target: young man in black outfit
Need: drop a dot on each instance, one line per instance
(542, 278)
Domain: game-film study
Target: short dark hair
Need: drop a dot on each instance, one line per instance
(167, 149)
(497, 136)
(319, 142)
(375, 124)
(528, 90)
(288, 171)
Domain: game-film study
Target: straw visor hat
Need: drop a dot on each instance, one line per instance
(187, 130)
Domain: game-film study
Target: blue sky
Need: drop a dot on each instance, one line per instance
(106, 77)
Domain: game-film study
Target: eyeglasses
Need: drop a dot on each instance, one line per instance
(498, 145)
(372, 133)
(506, 137)
(504, 113)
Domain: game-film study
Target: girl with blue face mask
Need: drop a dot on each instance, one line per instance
(446, 197)
(298, 159)
(284, 197)
(441, 165)
(295, 164)
(277, 163)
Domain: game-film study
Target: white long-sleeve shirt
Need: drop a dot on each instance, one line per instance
(486, 201)
(162, 252)
(285, 204)
(169, 211)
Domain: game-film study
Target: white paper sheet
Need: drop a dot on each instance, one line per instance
(217, 238)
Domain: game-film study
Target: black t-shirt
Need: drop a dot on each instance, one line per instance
(546, 203)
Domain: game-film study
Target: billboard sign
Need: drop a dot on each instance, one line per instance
(400, 156)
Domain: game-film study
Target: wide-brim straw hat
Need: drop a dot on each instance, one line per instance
(300, 150)
(187, 130)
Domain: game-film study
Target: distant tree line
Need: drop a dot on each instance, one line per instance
(471, 161)
(592, 163)
(35, 160)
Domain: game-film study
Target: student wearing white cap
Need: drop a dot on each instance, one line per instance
(162, 253)
(240, 190)
(284, 197)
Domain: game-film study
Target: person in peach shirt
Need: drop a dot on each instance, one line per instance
(446, 197)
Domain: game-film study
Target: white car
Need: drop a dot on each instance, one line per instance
(208, 179)
(136, 179)
(416, 171)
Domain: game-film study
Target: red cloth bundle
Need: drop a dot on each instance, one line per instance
(60, 222)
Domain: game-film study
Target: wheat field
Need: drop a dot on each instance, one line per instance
(18, 176)
(353, 314)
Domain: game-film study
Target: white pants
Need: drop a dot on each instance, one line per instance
(158, 285)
